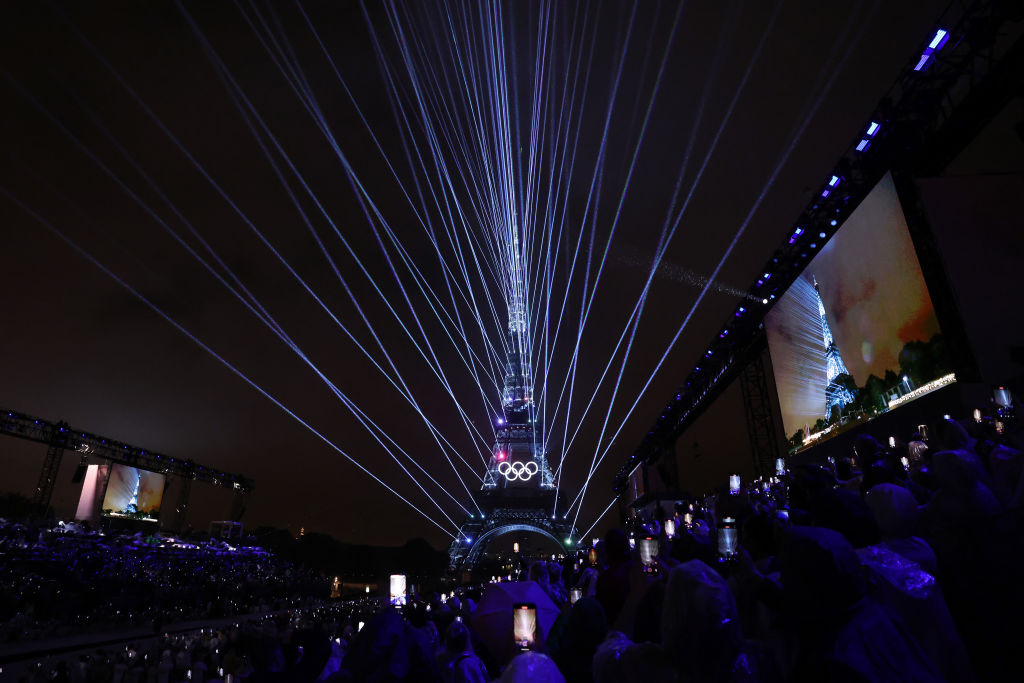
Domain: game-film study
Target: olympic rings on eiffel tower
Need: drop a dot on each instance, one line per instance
(518, 471)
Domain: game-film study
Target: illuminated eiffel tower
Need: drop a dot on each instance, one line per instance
(518, 492)
(518, 458)
(835, 394)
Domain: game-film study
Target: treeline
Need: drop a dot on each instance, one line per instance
(416, 558)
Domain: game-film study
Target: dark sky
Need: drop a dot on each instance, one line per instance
(78, 346)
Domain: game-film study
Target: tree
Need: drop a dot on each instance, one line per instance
(818, 425)
(797, 440)
(872, 397)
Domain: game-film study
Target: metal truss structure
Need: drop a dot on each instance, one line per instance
(942, 98)
(59, 437)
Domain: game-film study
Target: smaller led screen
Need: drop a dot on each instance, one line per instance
(133, 493)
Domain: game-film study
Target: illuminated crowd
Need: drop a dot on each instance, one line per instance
(894, 561)
(61, 581)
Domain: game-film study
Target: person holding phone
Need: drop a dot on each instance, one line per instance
(458, 662)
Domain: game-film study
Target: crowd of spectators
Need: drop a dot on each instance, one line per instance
(56, 582)
(894, 562)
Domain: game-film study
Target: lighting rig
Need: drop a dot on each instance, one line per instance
(967, 70)
(60, 437)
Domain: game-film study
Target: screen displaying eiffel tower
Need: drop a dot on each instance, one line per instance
(836, 395)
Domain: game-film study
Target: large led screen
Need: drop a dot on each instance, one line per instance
(856, 334)
(133, 493)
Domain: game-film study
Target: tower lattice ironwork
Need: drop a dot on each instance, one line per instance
(518, 492)
(836, 394)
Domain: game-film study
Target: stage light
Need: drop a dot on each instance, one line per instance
(863, 145)
(821, 235)
(764, 301)
(941, 36)
(814, 245)
(796, 235)
(833, 222)
(873, 128)
(741, 311)
(724, 334)
(501, 421)
(834, 181)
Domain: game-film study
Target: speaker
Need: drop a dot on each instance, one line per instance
(79, 476)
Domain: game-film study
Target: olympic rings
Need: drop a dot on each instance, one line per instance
(518, 471)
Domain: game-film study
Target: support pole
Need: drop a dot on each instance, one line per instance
(181, 508)
(757, 406)
(51, 466)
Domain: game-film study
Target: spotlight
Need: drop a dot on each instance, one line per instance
(873, 128)
(941, 36)
(821, 235)
(833, 222)
(764, 301)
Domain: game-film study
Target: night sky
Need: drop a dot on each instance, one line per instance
(79, 346)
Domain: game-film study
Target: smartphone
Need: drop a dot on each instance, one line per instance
(977, 414)
(592, 556)
(688, 520)
(892, 442)
(632, 543)
(574, 595)
(923, 431)
(906, 462)
(728, 538)
(670, 527)
(1003, 397)
(780, 466)
(734, 484)
(524, 624)
(398, 589)
(458, 618)
(648, 551)
(1000, 427)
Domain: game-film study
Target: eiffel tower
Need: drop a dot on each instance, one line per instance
(835, 394)
(518, 492)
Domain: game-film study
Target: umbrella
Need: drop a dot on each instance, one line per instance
(492, 620)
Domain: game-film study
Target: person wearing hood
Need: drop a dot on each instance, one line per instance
(613, 583)
(839, 633)
(458, 662)
(701, 631)
(585, 631)
(531, 667)
(386, 650)
(896, 513)
(961, 506)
